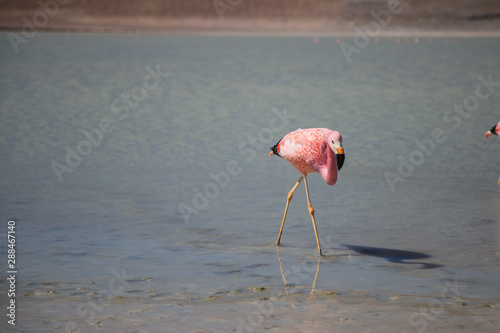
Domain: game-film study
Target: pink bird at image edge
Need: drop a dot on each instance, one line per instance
(493, 131)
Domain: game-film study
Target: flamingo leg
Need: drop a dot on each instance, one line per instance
(311, 211)
(288, 199)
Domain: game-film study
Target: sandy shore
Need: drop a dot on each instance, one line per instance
(83, 308)
(296, 17)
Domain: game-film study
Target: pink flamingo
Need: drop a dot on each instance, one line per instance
(311, 150)
(493, 131)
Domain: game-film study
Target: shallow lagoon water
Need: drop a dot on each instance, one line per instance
(144, 204)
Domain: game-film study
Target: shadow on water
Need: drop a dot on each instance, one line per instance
(393, 255)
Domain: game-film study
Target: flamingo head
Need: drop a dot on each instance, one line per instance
(275, 150)
(335, 143)
(492, 131)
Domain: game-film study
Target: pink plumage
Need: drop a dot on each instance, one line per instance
(495, 130)
(311, 150)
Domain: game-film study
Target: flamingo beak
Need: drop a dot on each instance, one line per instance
(339, 152)
(340, 160)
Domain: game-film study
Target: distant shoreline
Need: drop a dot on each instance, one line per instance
(239, 27)
(406, 18)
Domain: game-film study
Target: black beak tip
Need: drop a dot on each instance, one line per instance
(340, 161)
(493, 130)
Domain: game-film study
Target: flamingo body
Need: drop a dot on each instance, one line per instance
(311, 150)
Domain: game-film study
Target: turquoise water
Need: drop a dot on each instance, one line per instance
(149, 155)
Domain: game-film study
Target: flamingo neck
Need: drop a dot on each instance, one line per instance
(329, 171)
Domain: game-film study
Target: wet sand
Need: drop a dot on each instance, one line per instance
(84, 308)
